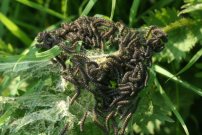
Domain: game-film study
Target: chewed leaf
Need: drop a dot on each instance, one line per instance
(178, 46)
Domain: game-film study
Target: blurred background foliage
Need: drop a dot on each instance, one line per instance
(35, 100)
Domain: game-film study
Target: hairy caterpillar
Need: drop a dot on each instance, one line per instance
(114, 80)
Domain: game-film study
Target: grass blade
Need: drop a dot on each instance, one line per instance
(113, 9)
(6, 115)
(46, 55)
(82, 6)
(41, 8)
(88, 7)
(6, 58)
(166, 73)
(64, 7)
(15, 30)
(191, 62)
(4, 83)
(172, 107)
(4, 10)
(133, 12)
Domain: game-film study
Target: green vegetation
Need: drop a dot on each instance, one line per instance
(34, 99)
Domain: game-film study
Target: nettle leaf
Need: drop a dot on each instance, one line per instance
(193, 8)
(152, 111)
(38, 110)
(180, 40)
(178, 46)
(89, 129)
(161, 17)
(54, 114)
(31, 115)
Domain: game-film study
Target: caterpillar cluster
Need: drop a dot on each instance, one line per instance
(126, 68)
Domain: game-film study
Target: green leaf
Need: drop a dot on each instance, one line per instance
(9, 58)
(78, 47)
(188, 31)
(23, 60)
(161, 17)
(158, 5)
(15, 30)
(88, 7)
(188, 8)
(35, 86)
(51, 53)
(178, 46)
(41, 8)
(113, 84)
(89, 129)
(133, 12)
(13, 62)
(56, 113)
(192, 1)
(40, 108)
(113, 9)
(150, 109)
(166, 73)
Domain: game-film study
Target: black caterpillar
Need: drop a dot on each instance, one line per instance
(127, 68)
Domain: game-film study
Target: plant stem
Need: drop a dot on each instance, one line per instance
(180, 23)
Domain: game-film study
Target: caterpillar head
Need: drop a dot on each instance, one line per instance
(156, 39)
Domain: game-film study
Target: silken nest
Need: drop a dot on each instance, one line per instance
(109, 61)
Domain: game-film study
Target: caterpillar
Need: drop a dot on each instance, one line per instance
(113, 79)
